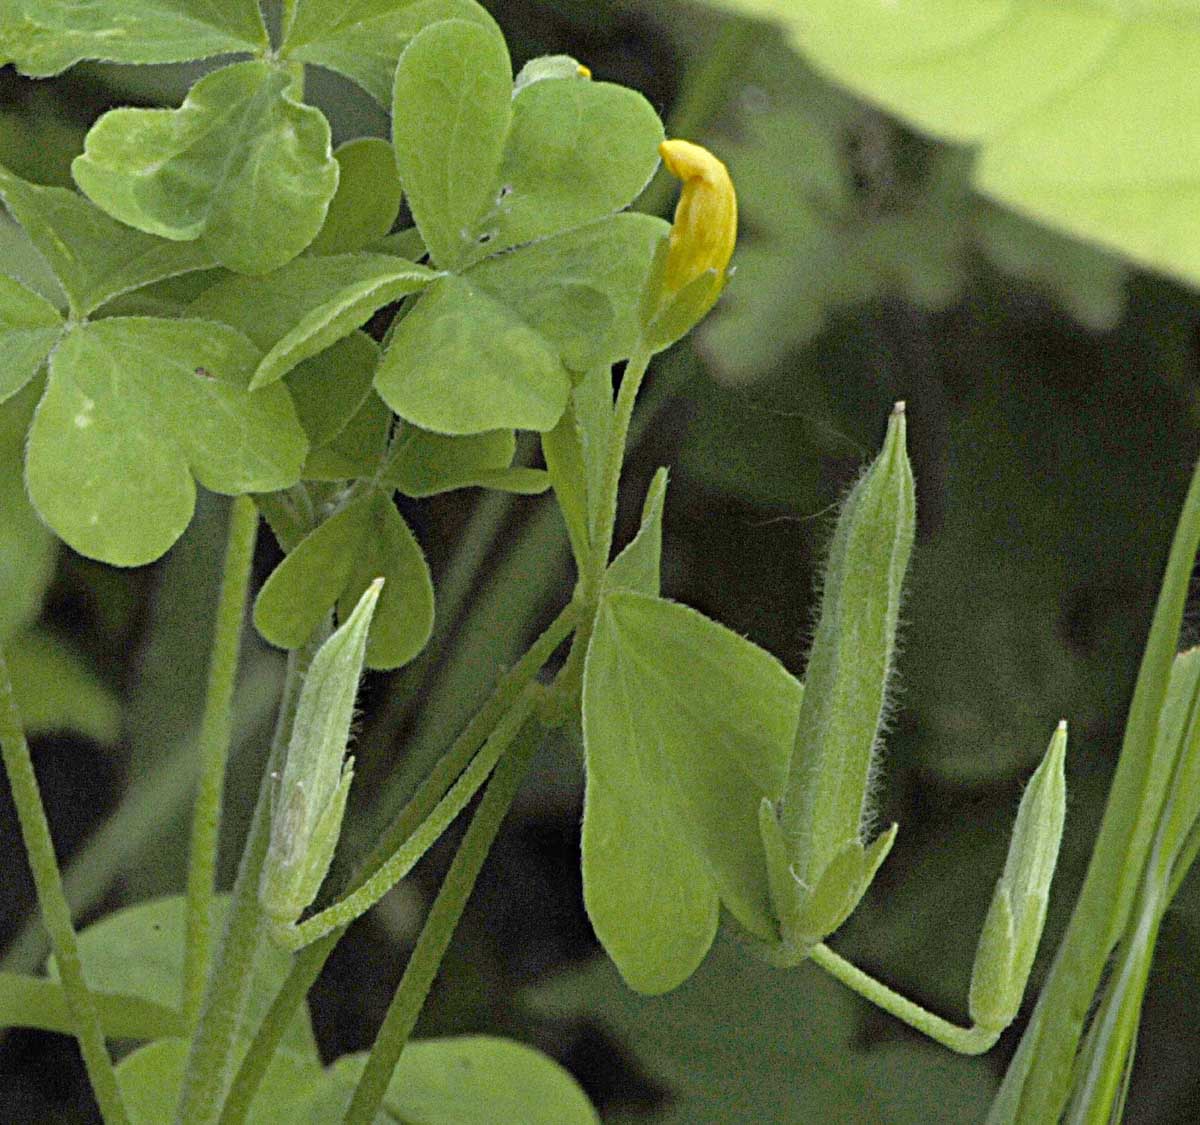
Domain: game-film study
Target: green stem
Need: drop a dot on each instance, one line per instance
(439, 928)
(56, 914)
(216, 731)
(963, 1040)
(210, 1060)
(410, 853)
(309, 961)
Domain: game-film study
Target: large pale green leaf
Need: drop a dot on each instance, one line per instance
(485, 170)
(362, 39)
(1084, 114)
(242, 164)
(93, 257)
(138, 951)
(57, 690)
(133, 409)
(29, 328)
(44, 37)
(462, 362)
(744, 1042)
(687, 726)
(367, 201)
(310, 303)
(334, 564)
(469, 1080)
(426, 464)
(150, 1078)
(27, 549)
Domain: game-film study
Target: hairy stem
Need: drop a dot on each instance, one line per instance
(439, 928)
(216, 728)
(963, 1040)
(56, 914)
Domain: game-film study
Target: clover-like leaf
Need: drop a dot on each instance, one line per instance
(242, 165)
(334, 564)
(45, 37)
(494, 346)
(358, 449)
(29, 327)
(485, 170)
(367, 201)
(687, 726)
(362, 39)
(304, 307)
(134, 408)
(94, 257)
(330, 389)
(426, 464)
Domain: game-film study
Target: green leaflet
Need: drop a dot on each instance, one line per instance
(687, 726)
(363, 39)
(27, 549)
(45, 37)
(638, 567)
(367, 201)
(29, 327)
(135, 407)
(358, 450)
(27, 1001)
(138, 951)
(94, 257)
(330, 389)
(1063, 101)
(58, 690)
(334, 564)
(150, 1078)
(468, 1080)
(494, 346)
(307, 305)
(425, 464)
(242, 165)
(557, 155)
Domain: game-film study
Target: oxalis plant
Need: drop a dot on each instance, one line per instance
(214, 273)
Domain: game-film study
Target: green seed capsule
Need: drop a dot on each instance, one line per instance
(1013, 927)
(311, 797)
(825, 801)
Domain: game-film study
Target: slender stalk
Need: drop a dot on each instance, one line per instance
(439, 928)
(216, 732)
(211, 1058)
(309, 961)
(963, 1040)
(410, 853)
(56, 914)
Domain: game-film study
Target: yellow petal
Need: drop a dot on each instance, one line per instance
(705, 228)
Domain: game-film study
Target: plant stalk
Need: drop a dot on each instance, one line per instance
(56, 914)
(216, 730)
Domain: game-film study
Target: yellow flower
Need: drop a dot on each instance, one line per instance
(705, 227)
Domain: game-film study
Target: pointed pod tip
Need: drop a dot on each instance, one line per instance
(1062, 726)
(898, 408)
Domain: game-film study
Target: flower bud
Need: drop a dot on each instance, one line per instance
(825, 802)
(311, 797)
(692, 267)
(1013, 927)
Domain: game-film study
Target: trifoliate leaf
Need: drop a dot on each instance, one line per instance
(45, 37)
(334, 564)
(242, 165)
(687, 726)
(362, 39)
(94, 257)
(134, 408)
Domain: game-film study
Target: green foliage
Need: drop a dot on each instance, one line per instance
(364, 207)
(29, 327)
(425, 464)
(45, 37)
(242, 166)
(471, 1080)
(115, 443)
(687, 726)
(335, 564)
(1062, 102)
